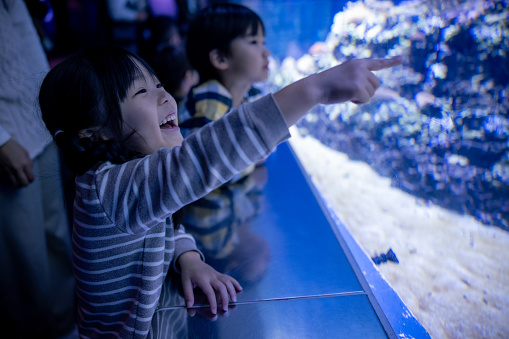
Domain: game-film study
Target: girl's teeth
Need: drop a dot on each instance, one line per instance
(169, 118)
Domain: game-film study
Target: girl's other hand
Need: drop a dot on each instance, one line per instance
(196, 273)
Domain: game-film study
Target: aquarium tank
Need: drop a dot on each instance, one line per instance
(438, 127)
(437, 131)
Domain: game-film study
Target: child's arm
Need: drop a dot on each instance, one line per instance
(196, 273)
(135, 194)
(351, 81)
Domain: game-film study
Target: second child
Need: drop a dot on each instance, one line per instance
(226, 45)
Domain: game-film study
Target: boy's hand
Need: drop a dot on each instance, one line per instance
(353, 80)
(196, 273)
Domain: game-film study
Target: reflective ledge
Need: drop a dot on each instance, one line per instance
(301, 271)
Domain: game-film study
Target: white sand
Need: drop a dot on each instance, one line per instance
(453, 273)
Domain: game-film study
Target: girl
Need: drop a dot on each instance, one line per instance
(118, 131)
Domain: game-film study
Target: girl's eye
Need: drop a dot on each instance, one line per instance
(143, 90)
(159, 85)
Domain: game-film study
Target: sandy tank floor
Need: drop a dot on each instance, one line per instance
(453, 273)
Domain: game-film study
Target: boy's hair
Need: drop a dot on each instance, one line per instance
(84, 92)
(171, 64)
(161, 31)
(216, 27)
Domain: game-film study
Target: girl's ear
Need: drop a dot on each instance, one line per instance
(218, 60)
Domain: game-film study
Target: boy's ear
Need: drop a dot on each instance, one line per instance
(218, 60)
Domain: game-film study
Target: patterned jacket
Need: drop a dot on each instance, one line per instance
(214, 220)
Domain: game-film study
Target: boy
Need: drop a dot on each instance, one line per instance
(226, 45)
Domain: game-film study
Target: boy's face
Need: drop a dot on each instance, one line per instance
(248, 59)
(152, 113)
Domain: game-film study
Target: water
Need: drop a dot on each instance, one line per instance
(437, 130)
(293, 26)
(439, 125)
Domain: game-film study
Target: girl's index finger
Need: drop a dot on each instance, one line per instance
(378, 64)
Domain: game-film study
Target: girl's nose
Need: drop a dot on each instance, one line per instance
(167, 98)
(164, 96)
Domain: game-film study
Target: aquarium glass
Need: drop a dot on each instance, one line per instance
(437, 131)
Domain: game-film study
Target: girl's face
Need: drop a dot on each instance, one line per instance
(152, 113)
(249, 57)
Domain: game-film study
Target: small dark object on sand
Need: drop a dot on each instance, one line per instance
(390, 256)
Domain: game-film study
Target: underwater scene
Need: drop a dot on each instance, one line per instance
(432, 147)
(439, 125)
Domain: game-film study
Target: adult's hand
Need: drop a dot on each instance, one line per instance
(16, 167)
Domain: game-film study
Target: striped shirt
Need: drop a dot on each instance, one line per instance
(123, 239)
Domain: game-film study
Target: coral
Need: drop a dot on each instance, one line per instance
(439, 125)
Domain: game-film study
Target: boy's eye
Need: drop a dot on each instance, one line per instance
(143, 90)
(159, 85)
(257, 42)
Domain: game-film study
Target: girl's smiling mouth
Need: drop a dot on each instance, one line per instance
(170, 121)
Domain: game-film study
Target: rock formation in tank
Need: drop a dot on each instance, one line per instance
(439, 125)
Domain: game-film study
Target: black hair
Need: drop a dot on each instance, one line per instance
(84, 92)
(215, 27)
(160, 32)
(171, 64)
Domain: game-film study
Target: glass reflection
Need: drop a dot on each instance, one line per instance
(435, 135)
(173, 320)
(221, 225)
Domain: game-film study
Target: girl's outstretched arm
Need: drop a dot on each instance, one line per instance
(353, 81)
(196, 273)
